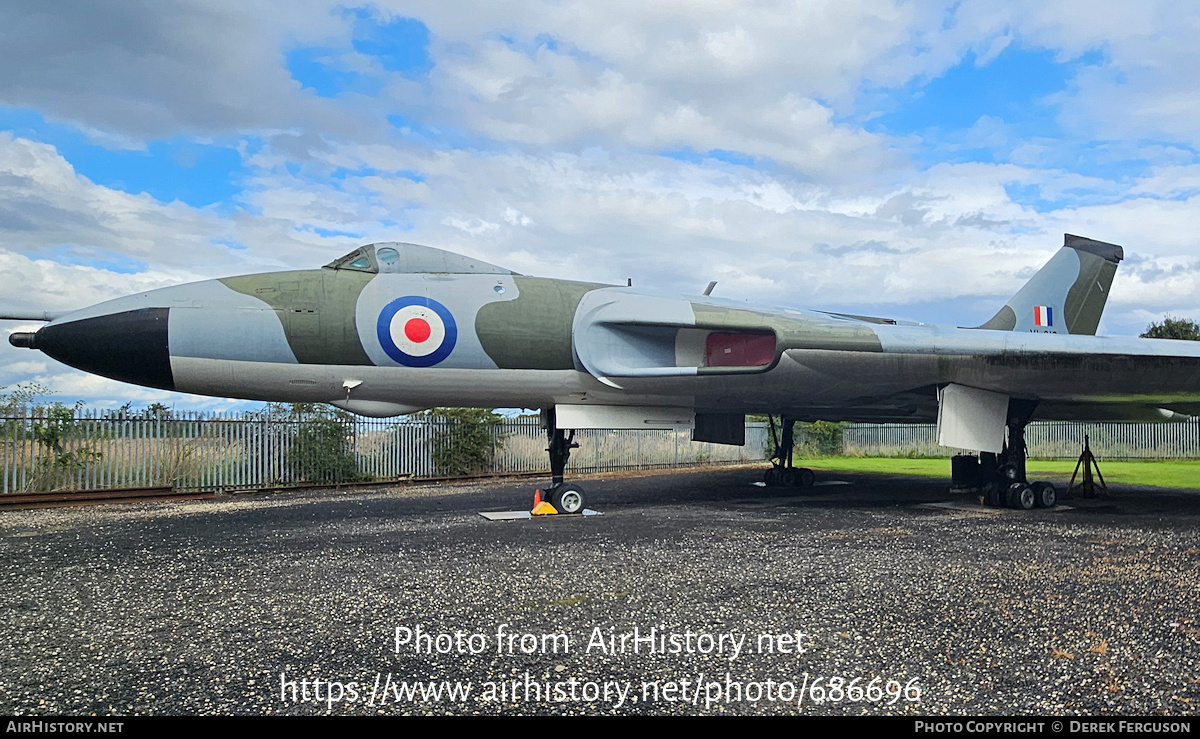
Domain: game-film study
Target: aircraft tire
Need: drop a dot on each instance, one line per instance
(807, 477)
(991, 495)
(789, 478)
(1010, 494)
(771, 477)
(1046, 495)
(1027, 498)
(1021, 496)
(568, 498)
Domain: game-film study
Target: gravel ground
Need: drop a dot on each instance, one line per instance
(210, 606)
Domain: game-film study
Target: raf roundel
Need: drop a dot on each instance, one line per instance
(416, 331)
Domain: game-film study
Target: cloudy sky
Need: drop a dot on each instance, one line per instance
(917, 160)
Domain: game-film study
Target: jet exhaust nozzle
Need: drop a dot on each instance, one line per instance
(23, 339)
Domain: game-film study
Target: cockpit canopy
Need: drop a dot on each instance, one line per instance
(392, 257)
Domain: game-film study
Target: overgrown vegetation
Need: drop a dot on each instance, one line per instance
(821, 439)
(55, 463)
(1173, 328)
(322, 450)
(152, 412)
(465, 440)
(51, 425)
(816, 439)
(20, 401)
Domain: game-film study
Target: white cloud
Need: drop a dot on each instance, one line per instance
(515, 217)
(953, 232)
(663, 85)
(44, 204)
(159, 69)
(472, 226)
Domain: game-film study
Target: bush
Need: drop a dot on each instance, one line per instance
(822, 439)
(321, 450)
(464, 443)
(51, 426)
(816, 439)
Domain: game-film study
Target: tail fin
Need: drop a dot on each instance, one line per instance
(1067, 295)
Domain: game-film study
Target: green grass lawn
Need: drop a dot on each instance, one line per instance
(1166, 473)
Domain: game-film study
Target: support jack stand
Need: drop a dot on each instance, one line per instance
(1087, 485)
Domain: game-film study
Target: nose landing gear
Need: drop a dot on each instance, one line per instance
(565, 497)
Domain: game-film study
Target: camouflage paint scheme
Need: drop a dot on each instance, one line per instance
(331, 335)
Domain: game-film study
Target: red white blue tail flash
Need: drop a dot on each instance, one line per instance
(416, 331)
(1043, 315)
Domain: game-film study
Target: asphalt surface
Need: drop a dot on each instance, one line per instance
(227, 606)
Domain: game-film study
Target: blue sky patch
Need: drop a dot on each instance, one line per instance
(1008, 111)
(198, 174)
(341, 173)
(1013, 87)
(980, 112)
(87, 256)
(1036, 197)
(400, 45)
(687, 154)
(317, 68)
(329, 233)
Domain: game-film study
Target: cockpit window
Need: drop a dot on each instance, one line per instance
(359, 260)
(394, 257)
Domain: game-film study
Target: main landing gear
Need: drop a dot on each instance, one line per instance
(565, 497)
(1005, 483)
(782, 474)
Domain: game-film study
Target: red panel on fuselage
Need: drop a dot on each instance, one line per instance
(739, 350)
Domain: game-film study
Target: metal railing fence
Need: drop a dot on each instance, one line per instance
(1045, 439)
(92, 450)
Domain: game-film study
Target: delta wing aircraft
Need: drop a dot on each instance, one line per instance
(393, 328)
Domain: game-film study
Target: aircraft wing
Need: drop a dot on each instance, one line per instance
(1061, 367)
(818, 365)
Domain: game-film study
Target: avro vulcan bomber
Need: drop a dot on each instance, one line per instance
(393, 328)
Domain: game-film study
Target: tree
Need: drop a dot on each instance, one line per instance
(1173, 328)
(20, 400)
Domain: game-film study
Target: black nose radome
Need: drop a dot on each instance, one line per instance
(129, 346)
